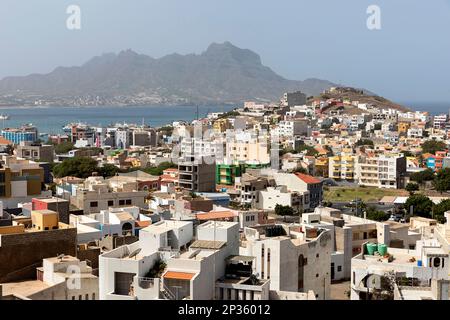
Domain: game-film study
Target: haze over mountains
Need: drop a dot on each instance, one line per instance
(223, 73)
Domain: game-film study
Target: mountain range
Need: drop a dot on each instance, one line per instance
(222, 74)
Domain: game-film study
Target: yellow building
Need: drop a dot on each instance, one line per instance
(321, 165)
(44, 220)
(342, 167)
(221, 125)
(20, 178)
(403, 127)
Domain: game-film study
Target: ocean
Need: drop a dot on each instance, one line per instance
(434, 108)
(51, 120)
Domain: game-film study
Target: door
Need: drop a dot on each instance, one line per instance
(332, 271)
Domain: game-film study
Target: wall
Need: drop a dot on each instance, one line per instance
(33, 247)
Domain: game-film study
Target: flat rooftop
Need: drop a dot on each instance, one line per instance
(24, 288)
(217, 225)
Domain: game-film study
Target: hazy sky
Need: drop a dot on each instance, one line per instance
(407, 60)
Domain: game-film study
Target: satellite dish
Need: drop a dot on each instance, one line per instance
(374, 281)
(61, 256)
(134, 253)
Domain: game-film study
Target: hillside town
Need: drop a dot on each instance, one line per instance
(307, 198)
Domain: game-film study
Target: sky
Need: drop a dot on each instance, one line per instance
(407, 60)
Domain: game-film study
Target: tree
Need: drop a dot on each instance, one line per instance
(422, 205)
(108, 170)
(431, 146)
(310, 151)
(80, 167)
(157, 171)
(422, 176)
(283, 210)
(411, 187)
(376, 215)
(442, 180)
(64, 147)
(364, 142)
(439, 210)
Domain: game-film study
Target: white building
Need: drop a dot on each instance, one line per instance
(400, 267)
(293, 258)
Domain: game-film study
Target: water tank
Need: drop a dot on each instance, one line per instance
(371, 248)
(382, 249)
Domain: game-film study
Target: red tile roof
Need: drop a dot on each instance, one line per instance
(142, 224)
(307, 178)
(216, 215)
(4, 141)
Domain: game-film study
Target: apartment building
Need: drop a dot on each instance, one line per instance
(269, 198)
(440, 121)
(247, 187)
(197, 175)
(20, 180)
(342, 167)
(130, 272)
(96, 194)
(292, 99)
(35, 151)
(17, 135)
(227, 173)
(383, 171)
(247, 146)
(291, 128)
(293, 258)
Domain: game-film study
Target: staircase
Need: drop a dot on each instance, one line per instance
(167, 294)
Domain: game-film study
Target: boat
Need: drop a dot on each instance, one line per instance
(4, 117)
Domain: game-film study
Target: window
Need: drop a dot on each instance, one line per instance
(87, 296)
(339, 269)
(317, 255)
(128, 201)
(46, 228)
(317, 275)
(121, 202)
(437, 262)
(262, 261)
(94, 204)
(110, 203)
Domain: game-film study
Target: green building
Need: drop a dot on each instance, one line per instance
(225, 173)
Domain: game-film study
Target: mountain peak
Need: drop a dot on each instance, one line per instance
(227, 50)
(224, 73)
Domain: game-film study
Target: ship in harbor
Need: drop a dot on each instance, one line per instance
(4, 117)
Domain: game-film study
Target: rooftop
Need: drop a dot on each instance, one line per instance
(207, 244)
(307, 178)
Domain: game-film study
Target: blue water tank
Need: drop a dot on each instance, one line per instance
(419, 263)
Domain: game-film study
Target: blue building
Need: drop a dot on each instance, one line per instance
(17, 135)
